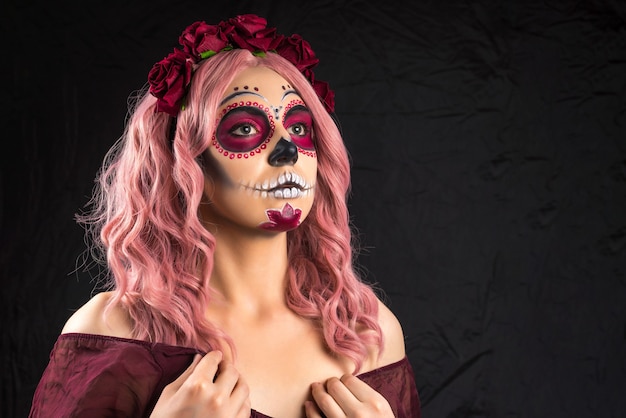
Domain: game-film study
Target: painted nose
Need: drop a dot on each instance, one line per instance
(284, 153)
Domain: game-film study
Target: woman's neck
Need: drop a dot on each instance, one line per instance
(250, 270)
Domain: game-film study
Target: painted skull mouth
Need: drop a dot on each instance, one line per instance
(288, 185)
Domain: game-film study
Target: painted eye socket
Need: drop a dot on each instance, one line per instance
(243, 129)
(299, 124)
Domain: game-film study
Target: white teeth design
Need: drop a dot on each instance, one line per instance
(288, 185)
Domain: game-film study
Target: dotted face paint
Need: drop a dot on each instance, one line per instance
(299, 123)
(254, 128)
(244, 130)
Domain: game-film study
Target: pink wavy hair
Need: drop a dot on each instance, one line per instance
(144, 219)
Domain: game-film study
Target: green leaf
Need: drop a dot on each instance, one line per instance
(207, 54)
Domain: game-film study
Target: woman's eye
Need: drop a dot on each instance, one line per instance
(299, 124)
(299, 129)
(244, 130)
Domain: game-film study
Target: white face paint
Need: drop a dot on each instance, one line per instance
(263, 155)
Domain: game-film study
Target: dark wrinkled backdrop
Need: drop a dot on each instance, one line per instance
(489, 180)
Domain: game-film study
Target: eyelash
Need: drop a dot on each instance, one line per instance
(242, 125)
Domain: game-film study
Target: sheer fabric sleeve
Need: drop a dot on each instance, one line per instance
(396, 382)
(96, 376)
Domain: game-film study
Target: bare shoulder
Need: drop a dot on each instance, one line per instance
(90, 319)
(393, 336)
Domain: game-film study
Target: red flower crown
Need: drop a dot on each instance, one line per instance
(170, 78)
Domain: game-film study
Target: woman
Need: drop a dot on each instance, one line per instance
(222, 214)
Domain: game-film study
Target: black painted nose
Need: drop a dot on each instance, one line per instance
(284, 153)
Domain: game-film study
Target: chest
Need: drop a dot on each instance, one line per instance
(279, 363)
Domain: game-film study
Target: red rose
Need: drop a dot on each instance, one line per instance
(247, 25)
(169, 79)
(200, 37)
(308, 73)
(263, 40)
(298, 52)
(250, 32)
(326, 95)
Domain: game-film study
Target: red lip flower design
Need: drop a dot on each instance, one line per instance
(282, 220)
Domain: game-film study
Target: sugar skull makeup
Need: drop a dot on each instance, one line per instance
(263, 163)
(299, 123)
(243, 129)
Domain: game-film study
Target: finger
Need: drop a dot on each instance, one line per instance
(208, 365)
(245, 409)
(325, 402)
(365, 394)
(227, 377)
(311, 410)
(342, 395)
(241, 393)
(359, 389)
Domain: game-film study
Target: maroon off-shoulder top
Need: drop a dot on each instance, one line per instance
(98, 376)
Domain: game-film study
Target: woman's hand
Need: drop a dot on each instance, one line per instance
(210, 387)
(346, 397)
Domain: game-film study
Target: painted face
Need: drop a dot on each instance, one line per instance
(262, 159)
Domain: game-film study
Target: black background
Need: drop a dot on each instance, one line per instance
(488, 141)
